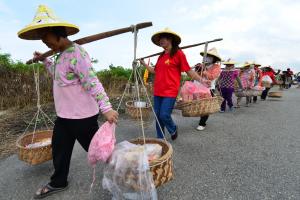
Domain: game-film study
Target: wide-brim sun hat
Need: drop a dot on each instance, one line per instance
(229, 62)
(156, 36)
(246, 64)
(45, 18)
(256, 64)
(212, 52)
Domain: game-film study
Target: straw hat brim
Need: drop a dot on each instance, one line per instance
(229, 63)
(32, 32)
(246, 65)
(211, 54)
(156, 37)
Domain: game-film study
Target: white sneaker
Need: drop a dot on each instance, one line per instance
(200, 128)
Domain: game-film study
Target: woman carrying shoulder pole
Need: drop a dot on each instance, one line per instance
(169, 66)
(209, 72)
(78, 94)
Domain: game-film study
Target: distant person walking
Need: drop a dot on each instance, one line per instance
(226, 83)
(268, 71)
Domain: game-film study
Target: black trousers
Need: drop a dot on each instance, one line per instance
(254, 99)
(204, 119)
(265, 93)
(65, 133)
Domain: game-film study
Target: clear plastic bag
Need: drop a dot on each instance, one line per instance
(267, 79)
(127, 175)
(153, 151)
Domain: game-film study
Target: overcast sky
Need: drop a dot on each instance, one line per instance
(265, 31)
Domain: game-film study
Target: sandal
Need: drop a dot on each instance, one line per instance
(47, 190)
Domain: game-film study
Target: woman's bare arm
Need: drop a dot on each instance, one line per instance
(149, 68)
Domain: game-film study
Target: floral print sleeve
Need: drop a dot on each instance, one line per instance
(82, 67)
(49, 66)
(213, 72)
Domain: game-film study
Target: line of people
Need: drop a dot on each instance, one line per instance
(246, 78)
(172, 62)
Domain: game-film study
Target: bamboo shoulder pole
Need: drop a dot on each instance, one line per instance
(96, 37)
(185, 47)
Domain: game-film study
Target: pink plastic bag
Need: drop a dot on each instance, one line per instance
(187, 91)
(188, 87)
(201, 91)
(194, 91)
(102, 144)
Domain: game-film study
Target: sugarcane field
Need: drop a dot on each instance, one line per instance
(149, 100)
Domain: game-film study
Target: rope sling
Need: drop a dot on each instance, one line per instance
(36, 154)
(138, 83)
(161, 168)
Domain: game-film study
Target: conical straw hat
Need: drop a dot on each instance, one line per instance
(229, 62)
(246, 64)
(156, 36)
(212, 52)
(45, 17)
(256, 64)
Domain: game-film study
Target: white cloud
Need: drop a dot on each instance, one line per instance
(265, 31)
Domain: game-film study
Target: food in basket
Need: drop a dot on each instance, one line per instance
(154, 151)
(140, 104)
(41, 143)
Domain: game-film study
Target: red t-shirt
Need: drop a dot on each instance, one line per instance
(168, 73)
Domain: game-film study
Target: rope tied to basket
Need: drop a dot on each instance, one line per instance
(35, 155)
(138, 80)
(36, 74)
(162, 168)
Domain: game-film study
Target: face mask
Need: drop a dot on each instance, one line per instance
(208, 60)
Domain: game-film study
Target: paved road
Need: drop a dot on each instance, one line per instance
(253, 153)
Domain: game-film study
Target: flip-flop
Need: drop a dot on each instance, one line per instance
(50, 191)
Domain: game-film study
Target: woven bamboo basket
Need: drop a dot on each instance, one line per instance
(37, 155)
(134, 111)
(266, 84)
(201, 107)
(277, 94)
(178, 105)
(245, 93)
(162, 168)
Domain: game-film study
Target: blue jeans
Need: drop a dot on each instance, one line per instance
(163, 107)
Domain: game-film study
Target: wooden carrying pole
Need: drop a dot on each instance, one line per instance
(185, 47)
(96, 37)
